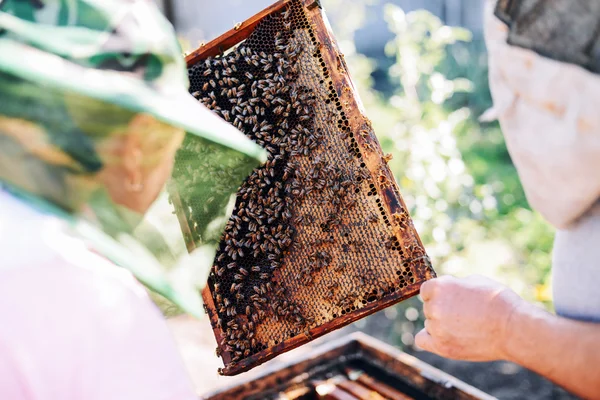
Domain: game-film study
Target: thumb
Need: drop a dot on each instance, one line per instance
(425, 341)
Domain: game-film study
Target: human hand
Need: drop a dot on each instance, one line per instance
(467, 319)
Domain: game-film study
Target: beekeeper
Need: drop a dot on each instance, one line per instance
(544, 63)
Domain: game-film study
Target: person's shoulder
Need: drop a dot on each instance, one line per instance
(37, 247)
(51, 279)
(89, 326)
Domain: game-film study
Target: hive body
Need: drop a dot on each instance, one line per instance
(319, 236)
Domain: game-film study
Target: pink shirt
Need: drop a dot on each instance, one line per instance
(73, 326)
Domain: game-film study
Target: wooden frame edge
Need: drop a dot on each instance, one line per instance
(357, 343)
(266, 355)
(233, 36)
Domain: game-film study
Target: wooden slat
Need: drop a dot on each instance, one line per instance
(296, 393)
(338, 394)
(181, 217)
(423, 376)
(207, 298)
(327, 390)
(361, 391)
(379, 387)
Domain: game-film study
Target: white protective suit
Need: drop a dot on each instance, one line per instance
(549, 114)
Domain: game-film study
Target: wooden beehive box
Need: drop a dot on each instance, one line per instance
(356, 367)
(320, 236)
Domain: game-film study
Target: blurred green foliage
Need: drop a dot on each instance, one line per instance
(454, 172)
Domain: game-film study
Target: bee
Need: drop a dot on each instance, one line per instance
(373, 217)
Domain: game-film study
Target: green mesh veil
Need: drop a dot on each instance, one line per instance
(80, 79)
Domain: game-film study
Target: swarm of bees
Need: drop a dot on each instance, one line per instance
(311, 211)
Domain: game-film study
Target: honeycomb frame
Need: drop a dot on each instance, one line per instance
(335, 96)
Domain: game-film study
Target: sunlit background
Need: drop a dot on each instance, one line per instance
(421, 69)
